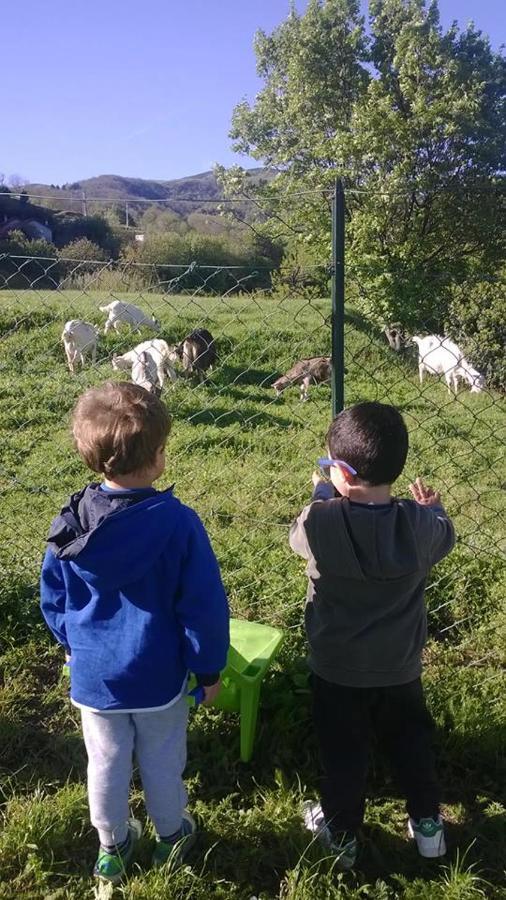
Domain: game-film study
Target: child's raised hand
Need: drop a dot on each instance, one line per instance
(316, 477)
(424, 495)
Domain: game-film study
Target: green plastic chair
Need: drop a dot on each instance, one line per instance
(252, 649)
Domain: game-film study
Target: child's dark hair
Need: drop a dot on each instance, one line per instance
(119, 427)
(371, 437)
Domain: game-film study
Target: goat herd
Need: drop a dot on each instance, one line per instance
(148, 362)
(151, 361)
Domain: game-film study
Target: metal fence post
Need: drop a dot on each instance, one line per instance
(338, 299)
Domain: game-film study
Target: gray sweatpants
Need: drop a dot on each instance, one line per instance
(158, 740)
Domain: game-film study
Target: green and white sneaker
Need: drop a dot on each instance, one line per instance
(176, 849)
(343, 845)
(429, 836)
(112, 866)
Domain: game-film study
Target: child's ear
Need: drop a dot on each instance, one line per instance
(346, 475)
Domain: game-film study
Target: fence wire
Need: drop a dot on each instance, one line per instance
(241, 454)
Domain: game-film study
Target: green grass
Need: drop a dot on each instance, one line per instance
(244, 460)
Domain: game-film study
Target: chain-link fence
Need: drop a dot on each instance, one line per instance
(238, 452)
(241, 452)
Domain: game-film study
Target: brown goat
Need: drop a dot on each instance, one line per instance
(197, 352)
(315, 370)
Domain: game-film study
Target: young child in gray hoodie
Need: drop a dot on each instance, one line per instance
(368, 556)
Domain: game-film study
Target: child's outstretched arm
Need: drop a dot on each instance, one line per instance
(323, 489)
(52, 598)
(442, 538)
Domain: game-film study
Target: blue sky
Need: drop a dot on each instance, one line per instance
(145, 89)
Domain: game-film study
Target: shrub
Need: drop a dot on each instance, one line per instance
(69, 228)
(477, 321)
(80, 260)
(19, 265)
(170, 257)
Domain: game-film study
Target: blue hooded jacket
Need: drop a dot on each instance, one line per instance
(131, 587)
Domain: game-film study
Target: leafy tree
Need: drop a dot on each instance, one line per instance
(412, 118)
(211, 264)
(477, 320)
(158, 221)
(81, 257)
(69, 228)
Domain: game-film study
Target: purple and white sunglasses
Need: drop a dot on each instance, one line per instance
(326, 461)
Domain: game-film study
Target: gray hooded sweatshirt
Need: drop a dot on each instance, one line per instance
(367, 566)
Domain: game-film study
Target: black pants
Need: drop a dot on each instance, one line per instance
(345, 718)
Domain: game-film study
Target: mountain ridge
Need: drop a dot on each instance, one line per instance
(182, 195)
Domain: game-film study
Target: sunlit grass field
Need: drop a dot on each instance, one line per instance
(244, 459)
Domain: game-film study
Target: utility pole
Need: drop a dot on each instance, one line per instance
(126, 214)
(84, 204)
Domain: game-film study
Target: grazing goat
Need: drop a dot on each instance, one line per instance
(145, 373)
(118, 311)
(160, 353)
(396, 336)
(79, 338)
(197, 352)
(475, 379)
(315, 370)
(439, 355)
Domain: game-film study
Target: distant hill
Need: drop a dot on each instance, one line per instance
(119, 188)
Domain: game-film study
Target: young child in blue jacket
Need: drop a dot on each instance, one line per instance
(131, 588)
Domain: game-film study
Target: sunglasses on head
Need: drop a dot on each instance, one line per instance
(326, 462)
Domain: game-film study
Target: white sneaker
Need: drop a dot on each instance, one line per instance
(429, 836)
(314, 820)
(344, 847)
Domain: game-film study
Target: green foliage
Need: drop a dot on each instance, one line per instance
(69, 228)
(313, 69)
(25, 264)
(297, 275)
(477, 320)
(156, 220)
(207, 262)
(80, 261)
(412, 118)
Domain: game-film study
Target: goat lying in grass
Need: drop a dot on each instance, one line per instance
(315, 370)
(145, 374)
(159, 352)
(78, 339)
(439, 355)
(119, 311)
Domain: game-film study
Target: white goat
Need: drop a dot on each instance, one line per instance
(439, 355)
(79, 338)
(159, 352)
(475, 379)
(145, 374)
(118, 311)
